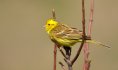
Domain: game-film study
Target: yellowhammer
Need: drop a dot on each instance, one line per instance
(64, 35)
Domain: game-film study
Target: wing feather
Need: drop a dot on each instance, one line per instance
(64, 32)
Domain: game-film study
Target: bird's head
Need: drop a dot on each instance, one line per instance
(50, 24)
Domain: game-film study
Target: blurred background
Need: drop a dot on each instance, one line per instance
(24, 44)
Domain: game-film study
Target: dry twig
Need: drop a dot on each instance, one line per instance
(55, 46)
(55, 55)
(86, 48)
(62, 65)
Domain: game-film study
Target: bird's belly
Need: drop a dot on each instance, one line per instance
(65, 42)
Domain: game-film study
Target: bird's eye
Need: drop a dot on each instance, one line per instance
(48, 24)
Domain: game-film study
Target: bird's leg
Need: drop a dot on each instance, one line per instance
(68, 51)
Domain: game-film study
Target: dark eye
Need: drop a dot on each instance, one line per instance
(48, 24)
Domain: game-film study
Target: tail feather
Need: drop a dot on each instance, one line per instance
(96, 42)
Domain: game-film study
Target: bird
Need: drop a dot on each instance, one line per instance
(65, 36)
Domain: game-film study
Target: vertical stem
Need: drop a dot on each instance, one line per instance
(91, 18)
(69, 67)
(83, 18)
(86, 65)
(55, 46)
(85, 45)
(67, 60)
(53, 14)
(86, 48)
(55, 52)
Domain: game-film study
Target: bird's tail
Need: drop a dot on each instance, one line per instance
(97, 42)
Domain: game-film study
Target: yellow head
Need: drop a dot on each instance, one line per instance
(50, 24)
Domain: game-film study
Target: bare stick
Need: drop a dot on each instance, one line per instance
(68, 62)
(83, 18)
(55, 54)
(86, 48)
(62, 52)
(91, 18)
(86, 65)
(84, 34)
(62, 65)
(55, 46)
(53, 14)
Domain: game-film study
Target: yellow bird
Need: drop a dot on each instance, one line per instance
(64, 35)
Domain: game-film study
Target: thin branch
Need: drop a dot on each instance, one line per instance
(68, 62)
(83, 18)
(86, 65)
(55, 46)
(55, 55)
(62, 52)
(53, 14)
(84, 34)
(62, 65)
(86, 48)
(91, 18)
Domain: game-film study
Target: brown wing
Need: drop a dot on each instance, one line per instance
(65, 32)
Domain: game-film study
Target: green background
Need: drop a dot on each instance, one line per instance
(24, 44)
